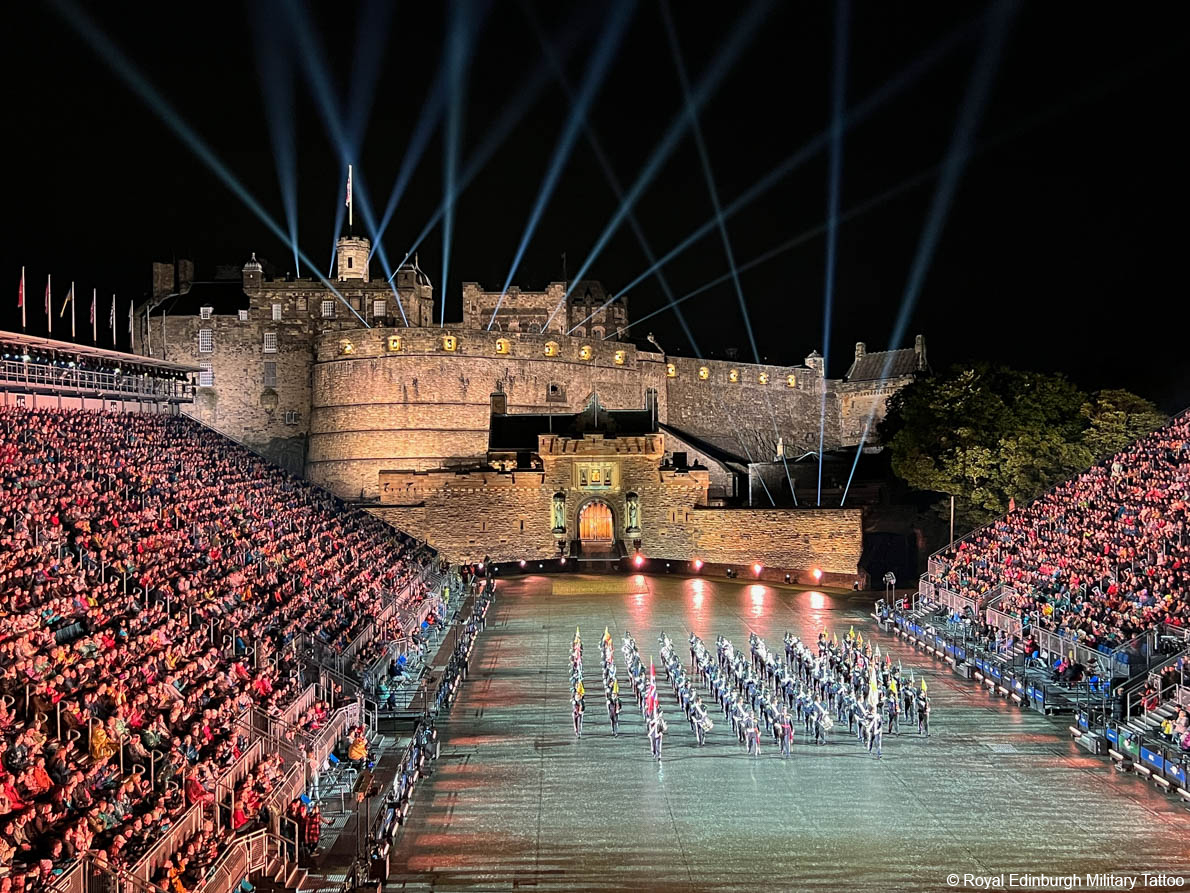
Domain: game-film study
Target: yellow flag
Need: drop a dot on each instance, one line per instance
(579, 689)
(892, 686)
(859, 640)
(923, 686)
(615, 686)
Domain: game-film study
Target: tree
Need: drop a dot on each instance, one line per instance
(988, 435)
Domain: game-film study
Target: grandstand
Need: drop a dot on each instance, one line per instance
(1079, 603)
(189, 636)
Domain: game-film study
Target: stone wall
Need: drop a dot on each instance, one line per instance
(415, 405)
(747, 414)
(828, 539)
(269, 417)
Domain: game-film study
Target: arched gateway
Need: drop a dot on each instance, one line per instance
(596, 524)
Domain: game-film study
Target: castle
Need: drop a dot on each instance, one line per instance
(359, 390)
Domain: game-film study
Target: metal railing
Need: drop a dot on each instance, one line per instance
(94, 382)
(188, 825)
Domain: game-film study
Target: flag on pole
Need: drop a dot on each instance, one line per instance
(49, 315)
(69, 300)
(94, 314)
(21, 298)
(349, 209)
(112, 321)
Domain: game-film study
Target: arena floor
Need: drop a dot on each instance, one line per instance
(517, 801)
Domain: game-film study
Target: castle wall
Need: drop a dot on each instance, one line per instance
(508, 516)
(860, 400)
(828, 539)
(746, 416)
(422, 407)
(270, 418)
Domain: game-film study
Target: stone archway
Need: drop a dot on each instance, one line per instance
(596, 523)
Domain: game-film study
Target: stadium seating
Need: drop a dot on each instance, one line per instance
(153, 575)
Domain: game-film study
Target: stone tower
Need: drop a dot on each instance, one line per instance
(353, 257)
(253, 274)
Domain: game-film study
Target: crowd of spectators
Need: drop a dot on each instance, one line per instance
(152, 575)
(1102, 557)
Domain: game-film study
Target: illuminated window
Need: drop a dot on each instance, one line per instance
(270, 342)
(619, 358)
(276, 312)
(733, 375)
(671, 370)
(501, 345)
(449, 342)
(206, 341)
(394, 342)
(551, 348)
(205, 312)
(243, 316)
(206, 375)
(791, 381)
(378, 307)
(763, 378)
(346, 347)
(584, 352)
(704, 373)
(328, 309)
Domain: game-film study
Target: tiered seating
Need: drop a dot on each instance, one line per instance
(1104, 556)
(151, 573)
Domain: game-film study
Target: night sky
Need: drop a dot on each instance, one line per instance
(1063, 248)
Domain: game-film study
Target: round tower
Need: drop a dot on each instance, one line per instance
(353, 254)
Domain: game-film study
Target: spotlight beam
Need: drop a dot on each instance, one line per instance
(704, 156)
(899, 82)
(953, 165)
(276, 80)
(456, 77)
(499, 132)
(609, 42)
(800, 239)
(732, 46)
(1102, 88)
(319, 80)
(842, 15)
(427, 122)
(108, 52)
(609, 174)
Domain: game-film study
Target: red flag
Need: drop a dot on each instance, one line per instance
(21, 290)
(1011, 504)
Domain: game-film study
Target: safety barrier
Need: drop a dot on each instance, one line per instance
(999, 619)
(292, 786)
(230, 780)
(171, 842)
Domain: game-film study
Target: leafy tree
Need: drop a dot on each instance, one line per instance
(988, 435)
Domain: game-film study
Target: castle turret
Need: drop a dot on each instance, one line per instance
(353, 252)
(253, 273)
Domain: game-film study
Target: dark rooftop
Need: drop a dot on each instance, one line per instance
(513, 432)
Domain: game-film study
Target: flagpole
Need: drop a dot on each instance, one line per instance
(95, 315)
(73, 337)
(22, 299)
(113, 319)
(49, 310)
(131, 328)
